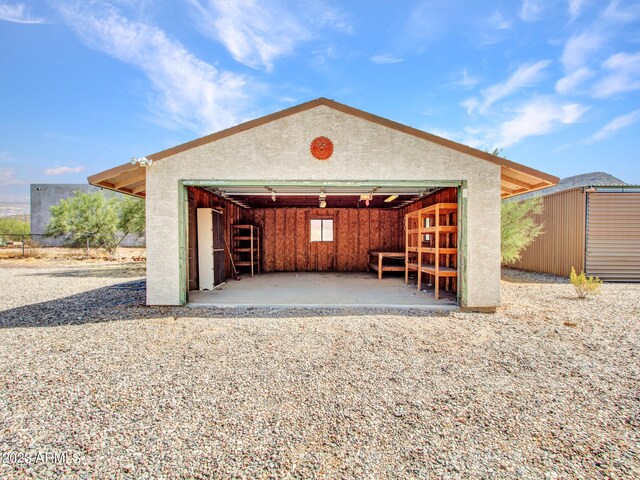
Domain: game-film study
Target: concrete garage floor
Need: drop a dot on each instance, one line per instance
(320, 289)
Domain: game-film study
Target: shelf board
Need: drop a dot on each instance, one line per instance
(431, 269)
(442, 251)
(440, 229)
(245, 264)
(244, 249)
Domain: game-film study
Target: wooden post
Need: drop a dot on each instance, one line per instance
(406, 248)
(379, 266)
(22, 242)
(87, 239)
(251, 248)
(436, 260)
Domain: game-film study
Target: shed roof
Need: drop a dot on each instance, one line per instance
(516, 178)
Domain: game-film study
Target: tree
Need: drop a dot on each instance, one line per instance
(103, 221)
(519, 227)
(18, 225)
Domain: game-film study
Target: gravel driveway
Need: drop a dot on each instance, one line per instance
(119, 390)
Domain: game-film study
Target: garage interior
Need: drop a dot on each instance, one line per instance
(314, 245)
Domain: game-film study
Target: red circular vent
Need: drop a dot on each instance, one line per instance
(321, 148)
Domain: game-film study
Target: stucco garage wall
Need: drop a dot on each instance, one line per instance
(363, 150)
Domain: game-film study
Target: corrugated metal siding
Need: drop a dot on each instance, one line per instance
(613, 236)
(561, 245)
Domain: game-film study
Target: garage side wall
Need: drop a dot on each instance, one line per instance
(363, 150)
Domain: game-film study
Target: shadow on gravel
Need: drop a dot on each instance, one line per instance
(99, 305)
(107, 271)
(126, 301)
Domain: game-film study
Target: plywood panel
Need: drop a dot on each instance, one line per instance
(287, 246)
(301, 241)
(290, 226)
(364, 231)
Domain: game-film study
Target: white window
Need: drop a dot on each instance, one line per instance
(322, 230)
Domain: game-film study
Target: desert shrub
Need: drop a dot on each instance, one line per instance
(104, 221)
(519, 227)
(584, 285)
(16, 225)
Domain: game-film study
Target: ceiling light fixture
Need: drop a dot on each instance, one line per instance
(322, 198)
(390, 198)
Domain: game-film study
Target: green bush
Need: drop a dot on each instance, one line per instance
(519, 227)
(17, 225)
(584, 285)
(104, 221)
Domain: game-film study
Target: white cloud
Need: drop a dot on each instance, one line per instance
(567, 85)
(468, 81)
(255, 33)
(524, 76)
(538, 117)
(624, 75)
(498, 21)
(575, 8)
(55, 171)
(579, 49)
(17, 13)
(7, 177)
(531, 10)
(190, 92)
(385, 59)
(618, 14)
(614, 125)
(471, 105)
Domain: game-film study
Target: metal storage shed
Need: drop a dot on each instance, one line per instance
(321, 160)
(594, 229)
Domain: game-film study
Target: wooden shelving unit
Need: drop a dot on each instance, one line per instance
(431, 240)
(245, 247)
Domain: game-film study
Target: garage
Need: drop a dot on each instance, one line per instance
(323, 188)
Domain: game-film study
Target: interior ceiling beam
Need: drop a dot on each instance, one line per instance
(314, 194)
(420, 184)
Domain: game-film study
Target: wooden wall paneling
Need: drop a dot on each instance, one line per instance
(302, 240)
(290, 230)
(374, 230)
(342, 243)
(280, 234)
(364, 234)
(269, 240)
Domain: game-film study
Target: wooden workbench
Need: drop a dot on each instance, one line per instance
(376, 262)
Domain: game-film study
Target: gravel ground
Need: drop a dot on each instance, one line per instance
(546, 388)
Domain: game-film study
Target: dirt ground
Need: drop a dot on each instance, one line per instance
(96, 385)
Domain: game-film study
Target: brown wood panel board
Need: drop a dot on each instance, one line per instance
(280, 232)
(352, 239)
(290, 229)
(374, 230)
(364, 238)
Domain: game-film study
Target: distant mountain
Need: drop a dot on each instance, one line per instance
(13, 209)
(584, 180)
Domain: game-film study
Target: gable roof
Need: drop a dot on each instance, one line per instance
(515, 178)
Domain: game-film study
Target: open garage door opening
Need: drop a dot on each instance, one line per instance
(323, 244)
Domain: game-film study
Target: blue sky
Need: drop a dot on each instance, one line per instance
(85, 85)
